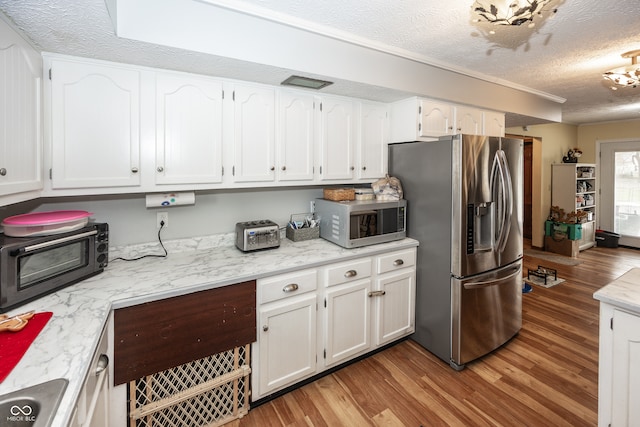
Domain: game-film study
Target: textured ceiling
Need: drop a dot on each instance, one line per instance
(563, 56)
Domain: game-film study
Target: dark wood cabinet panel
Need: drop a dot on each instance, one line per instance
(159, 335)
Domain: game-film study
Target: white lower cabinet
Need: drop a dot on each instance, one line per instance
(347, 321)
(285, 351)
(313, 320)
(347, 310)
(92, 407)
(619, 370)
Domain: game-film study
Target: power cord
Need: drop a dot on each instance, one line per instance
(150, 255)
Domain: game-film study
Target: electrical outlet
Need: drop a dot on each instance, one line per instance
(162, 217)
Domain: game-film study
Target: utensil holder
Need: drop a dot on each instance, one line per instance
(303, 233)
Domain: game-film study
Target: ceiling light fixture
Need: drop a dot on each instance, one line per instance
(627, 76)
(306, 82)
(510, 12)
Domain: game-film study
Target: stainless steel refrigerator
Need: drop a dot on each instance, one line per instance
(464, 206)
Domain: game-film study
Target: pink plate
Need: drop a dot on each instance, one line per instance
(46, 218)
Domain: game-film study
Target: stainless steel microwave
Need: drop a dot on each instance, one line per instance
(356, 223)
(31, 267)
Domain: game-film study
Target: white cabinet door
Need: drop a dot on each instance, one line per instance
(374, 140)
(20, 137)
(436, 118)
(254, 135)
(95, 125)
(347, 329)
(189, 130)
(468, 121)
(493, 123)
(295, 137)
(394, 299)
(287, 342)
(625, 386)
(337, 139)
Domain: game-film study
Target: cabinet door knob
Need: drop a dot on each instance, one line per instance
(398, 263)
(284, 168)
(134, 170)
(103, 363)
(364, 168)
(160, 169)
(291, 287)
(265, 328)
(352, 167)
(273, 168)
(3, 171)
(350, 273)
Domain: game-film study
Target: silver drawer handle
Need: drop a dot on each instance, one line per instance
(350, 273)
(290, 287)
(398, 263)
(376, 293)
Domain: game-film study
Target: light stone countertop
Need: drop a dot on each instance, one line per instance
(624, 292)
(66, 345)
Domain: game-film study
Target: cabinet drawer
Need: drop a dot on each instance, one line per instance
(287, 285)
(396, 261)
(348, 271)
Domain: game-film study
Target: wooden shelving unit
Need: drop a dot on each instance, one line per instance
(573, 188)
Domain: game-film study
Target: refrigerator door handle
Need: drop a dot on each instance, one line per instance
(507, 191)
(485, 283)
(500, 169)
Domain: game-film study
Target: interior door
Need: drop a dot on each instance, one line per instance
(619, 203)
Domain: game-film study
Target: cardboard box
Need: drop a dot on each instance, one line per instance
(572, 231)
(564, 247)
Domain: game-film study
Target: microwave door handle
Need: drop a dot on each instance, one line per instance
(32, 248)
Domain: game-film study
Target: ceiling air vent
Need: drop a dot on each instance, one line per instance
(306, 82)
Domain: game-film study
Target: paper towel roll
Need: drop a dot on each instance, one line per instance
(163, 200)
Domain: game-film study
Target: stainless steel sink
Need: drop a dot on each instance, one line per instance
(34, 406)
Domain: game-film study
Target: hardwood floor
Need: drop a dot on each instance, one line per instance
(547, 375)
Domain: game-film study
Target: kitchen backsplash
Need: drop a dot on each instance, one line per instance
(131, 222)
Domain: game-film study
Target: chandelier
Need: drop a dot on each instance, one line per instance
(628, 76)
(509, 12)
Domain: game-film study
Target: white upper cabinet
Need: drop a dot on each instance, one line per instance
(468, 121)
(95, 120)
(337, 139)
(254, 134)
(373, 141)
(295, 136)
(189, 130)
(20, 136)
(494, 123)
(418, 119)
(435, 118)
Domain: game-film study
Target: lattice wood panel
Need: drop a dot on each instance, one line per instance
(207, 392)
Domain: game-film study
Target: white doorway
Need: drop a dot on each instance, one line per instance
(619, 204)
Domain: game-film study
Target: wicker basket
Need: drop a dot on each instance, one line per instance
(339, 194)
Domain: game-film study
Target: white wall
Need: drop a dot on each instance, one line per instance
(216, 212)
